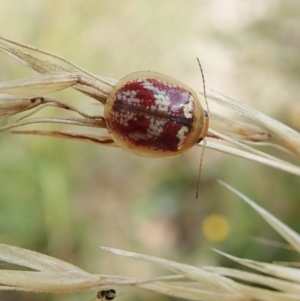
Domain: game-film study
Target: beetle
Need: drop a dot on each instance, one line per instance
(153, 115)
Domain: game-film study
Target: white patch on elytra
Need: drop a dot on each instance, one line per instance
(181, 136)
(128, 96)
(122, 117)
(149, 86)
(161, 98)
(162, 101)
(189, 107)
(156, 127)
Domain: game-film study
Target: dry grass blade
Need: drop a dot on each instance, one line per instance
(60, 282)
(56, 276)
(39, 84)
(190, 272)
(238, 129)
(260, 294)
(252, 154)
(284, 134)
(206, 286)
(45, 65)
(91, 84)
(11, 105)
(272, 269)
(69, 121)
(52, 275)
(291, 236)
(103, 139)
(268, 131)
(276, 284)
(34, 260)
(182, 290)
(209, 285)
(205, 290)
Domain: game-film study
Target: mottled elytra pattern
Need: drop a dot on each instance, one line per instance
(153, 115)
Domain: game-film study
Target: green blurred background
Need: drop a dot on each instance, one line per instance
(66, 198)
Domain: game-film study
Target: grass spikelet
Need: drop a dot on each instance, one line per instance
(57, 73)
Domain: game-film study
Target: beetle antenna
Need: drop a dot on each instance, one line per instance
(204, 85)
(200, 168)
(206, 116)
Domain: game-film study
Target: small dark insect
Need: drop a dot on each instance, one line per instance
(106, 295)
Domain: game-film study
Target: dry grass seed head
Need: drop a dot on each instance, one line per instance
(57, 73)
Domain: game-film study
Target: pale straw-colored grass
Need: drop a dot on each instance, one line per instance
(22, 99)
(57, 73)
